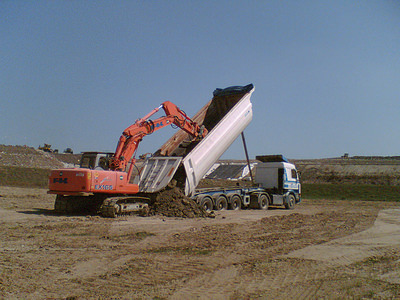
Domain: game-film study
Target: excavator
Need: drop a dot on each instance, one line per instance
(103, 182)
(116, 184)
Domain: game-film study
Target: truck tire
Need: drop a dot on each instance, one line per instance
(221, 203)
(263, 201)
(207, 204)
(236, 202)
(290, 202)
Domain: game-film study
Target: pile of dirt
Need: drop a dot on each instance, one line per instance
(174, 203)
(223, 183)
(27, 157)
(67, 158)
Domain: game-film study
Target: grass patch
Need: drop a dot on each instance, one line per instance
(365, 192)
(143, 234)
(132, 237)
(162, 250)
(24, 177)
(190, 251)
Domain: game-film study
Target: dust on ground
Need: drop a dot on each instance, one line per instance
(248, 254)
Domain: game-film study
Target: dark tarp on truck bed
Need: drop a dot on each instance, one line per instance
(233, 90)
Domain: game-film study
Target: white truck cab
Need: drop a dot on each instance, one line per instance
(280, 178)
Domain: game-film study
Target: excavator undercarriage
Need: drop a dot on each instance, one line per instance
(106, 206)
(120, 206)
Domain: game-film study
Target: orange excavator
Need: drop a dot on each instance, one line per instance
(103, 181)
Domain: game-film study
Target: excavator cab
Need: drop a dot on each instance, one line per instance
(95, 160)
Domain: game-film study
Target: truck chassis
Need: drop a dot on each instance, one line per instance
(238, 198)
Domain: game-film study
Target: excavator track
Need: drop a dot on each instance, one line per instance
(77, 204)
(122, 206)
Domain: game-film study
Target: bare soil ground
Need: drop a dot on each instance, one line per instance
(321, 249)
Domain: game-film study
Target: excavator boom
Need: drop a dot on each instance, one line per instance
(133, 135)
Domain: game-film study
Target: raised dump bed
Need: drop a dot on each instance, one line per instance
(225, 117)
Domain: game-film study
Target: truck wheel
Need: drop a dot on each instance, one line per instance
(206, 204)
(236, 202)
(291, 200)
(263, 201)
(221, 203)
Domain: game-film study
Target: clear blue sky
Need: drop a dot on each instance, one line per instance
(327, 73)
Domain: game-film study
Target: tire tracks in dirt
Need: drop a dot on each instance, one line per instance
(303, 283)
(385, 233)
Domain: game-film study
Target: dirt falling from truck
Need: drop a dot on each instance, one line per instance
(174, 203)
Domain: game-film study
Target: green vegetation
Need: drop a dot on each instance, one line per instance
(363, 192)
(24, 177)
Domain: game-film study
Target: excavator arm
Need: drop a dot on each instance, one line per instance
(133, 135)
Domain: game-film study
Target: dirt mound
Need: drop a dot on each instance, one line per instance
(28, 157)
(223, 183)
(71, 159)
(360, 171)
(174, 203)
